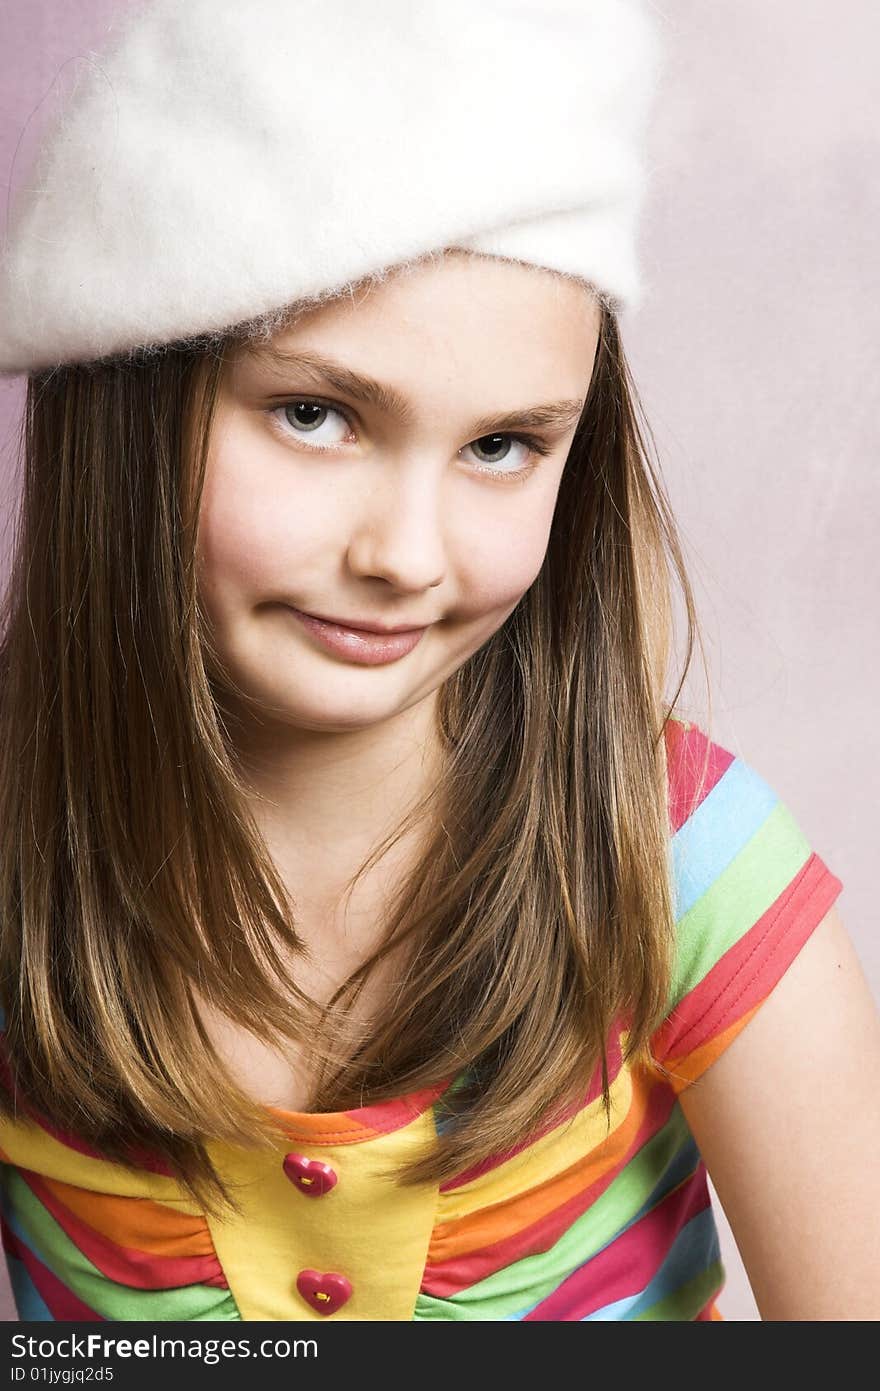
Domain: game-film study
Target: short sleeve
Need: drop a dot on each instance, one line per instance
(748, 891)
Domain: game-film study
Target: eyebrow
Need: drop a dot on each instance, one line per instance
(548, 415)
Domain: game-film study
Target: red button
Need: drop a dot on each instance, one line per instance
(310, 1176)
(326, 1293)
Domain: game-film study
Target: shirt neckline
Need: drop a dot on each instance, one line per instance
(362, 1122)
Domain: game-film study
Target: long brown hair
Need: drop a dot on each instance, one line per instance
(131, 872)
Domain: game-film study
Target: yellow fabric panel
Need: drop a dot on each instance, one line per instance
(374, 1233)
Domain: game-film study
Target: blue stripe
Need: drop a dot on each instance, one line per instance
(684, 1164)
(717, 831)
(28, 1301)
(695, 1249)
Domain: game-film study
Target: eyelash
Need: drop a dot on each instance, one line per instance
(537, 446)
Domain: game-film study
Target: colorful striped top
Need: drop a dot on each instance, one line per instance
(579, 1223)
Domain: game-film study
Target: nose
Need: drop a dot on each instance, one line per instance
(398, 531)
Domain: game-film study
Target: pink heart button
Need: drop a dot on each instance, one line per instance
(326, 1293)
(310, 1176)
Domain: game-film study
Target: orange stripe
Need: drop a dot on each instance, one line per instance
(365, 1123)
(326, 1128)
(139, 1223)
(485, 1227)
(690, 1066)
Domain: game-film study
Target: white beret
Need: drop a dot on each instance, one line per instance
(220, 159)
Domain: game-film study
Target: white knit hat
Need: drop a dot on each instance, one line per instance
(223, 158)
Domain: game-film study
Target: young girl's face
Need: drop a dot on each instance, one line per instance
(388, 484)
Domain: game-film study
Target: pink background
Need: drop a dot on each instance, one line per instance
(756, 355)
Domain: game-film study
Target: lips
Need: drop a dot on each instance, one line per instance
(358, 627)
(356, 644)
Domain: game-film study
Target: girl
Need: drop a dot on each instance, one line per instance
(377, 941)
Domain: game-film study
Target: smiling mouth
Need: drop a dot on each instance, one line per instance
(365, 627)
(358, 645)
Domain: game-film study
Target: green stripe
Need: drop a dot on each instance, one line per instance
(51, 1245)
(740, 895)
(529, 1280)
(686, 1302)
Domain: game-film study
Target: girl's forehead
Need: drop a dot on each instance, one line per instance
(444, 286)
(497, 334)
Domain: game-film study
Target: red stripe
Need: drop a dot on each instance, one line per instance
(627, 1266)
(687, 785)
(61, 1302)
(752, 966)
(385, 1116)
(448, 1278)
(125, 1264)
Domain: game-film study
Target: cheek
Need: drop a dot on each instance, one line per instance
(232, 546)
(248, 546)
(499, 562)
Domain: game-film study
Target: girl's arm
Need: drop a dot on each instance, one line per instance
(788, 1122)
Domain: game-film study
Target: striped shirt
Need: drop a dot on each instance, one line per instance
(580, 1222)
